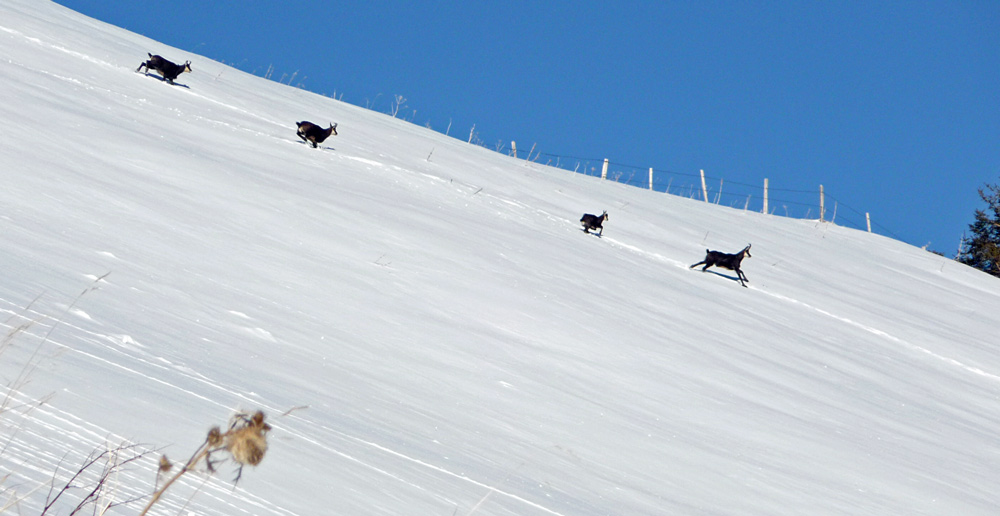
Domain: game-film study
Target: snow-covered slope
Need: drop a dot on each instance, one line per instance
(462, 347)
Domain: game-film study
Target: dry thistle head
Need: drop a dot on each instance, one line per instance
(165, 464)
(247, 441)
(214, 437)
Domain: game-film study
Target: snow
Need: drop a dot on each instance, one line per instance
(429, 330)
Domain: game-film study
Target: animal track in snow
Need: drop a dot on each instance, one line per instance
(887, 336)
(365, 161)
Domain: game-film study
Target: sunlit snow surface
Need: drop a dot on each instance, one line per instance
(460, 345)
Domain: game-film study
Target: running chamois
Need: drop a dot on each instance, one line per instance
(726, 261)
(314, 134)
(168, 70)
(592, 222)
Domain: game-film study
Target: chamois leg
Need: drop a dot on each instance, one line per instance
(697, 264)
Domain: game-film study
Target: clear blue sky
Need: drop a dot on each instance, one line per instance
(893, 106)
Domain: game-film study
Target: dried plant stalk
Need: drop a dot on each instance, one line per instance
(245, 443)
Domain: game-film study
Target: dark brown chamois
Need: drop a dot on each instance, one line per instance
(594, 222)
(726, 261)
(314, 134)
(168, 70)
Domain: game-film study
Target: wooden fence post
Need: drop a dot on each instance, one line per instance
(513, 148)
(822, 203)
(604, 170)
(704, 189)
(650, 178)
(765, 196)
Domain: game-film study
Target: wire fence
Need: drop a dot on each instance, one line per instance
(787, 202)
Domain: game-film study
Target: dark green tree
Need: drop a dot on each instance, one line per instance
(982, 249)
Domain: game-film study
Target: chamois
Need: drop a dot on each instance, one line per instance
(727, 261)
(594, 222)
(314, 134)
(167, 69)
